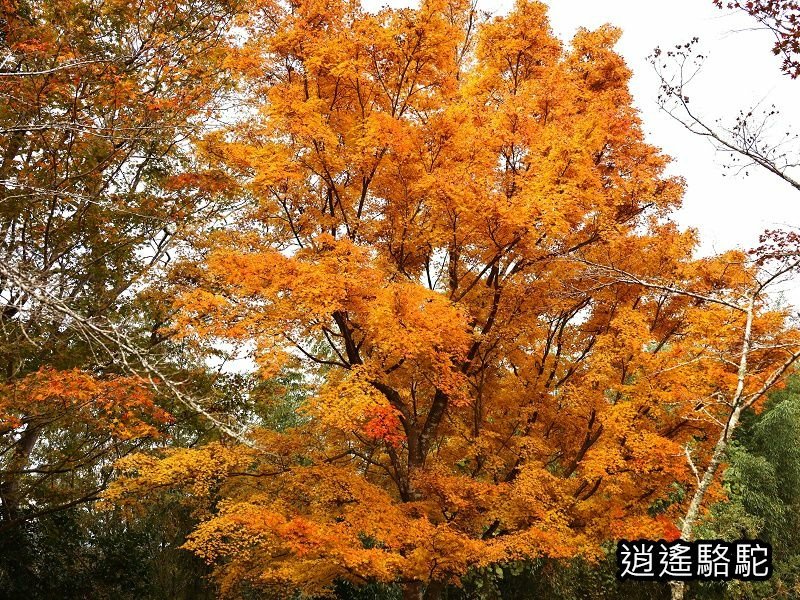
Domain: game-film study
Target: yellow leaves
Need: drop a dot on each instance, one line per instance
(305, 120)
(540, 498)
(197, 471)
(521, 45)
(268, 291)
(409, 322)
(247, 60)
(347, 401)
(634, 528)
(199, 305)
(622, 343)
(276, 168)
(460, 499)
(324, 527)
(593, 58)
(238, 528)
(442, 551)
(535, 542)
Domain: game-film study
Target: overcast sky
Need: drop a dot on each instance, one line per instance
(739, 72)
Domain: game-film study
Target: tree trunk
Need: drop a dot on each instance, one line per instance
(415, 590)
(10, 479)
(412, 591)
(678, 589)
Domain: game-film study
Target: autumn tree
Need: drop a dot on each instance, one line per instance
(458, 233)
(98, 104)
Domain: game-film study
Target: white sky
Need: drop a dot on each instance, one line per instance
(740, 71)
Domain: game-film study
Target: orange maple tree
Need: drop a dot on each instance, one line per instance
(454, 232)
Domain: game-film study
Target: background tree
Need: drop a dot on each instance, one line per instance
(99, 102)
(782, 18)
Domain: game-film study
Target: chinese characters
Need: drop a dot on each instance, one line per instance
(701, 559)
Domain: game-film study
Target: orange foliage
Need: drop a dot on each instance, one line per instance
(120, 406)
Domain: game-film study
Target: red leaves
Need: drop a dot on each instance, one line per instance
(122, 406)
(671, 532)
(384, 425)
(777, 245)
(782, 17)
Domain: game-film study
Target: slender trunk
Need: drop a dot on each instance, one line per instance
(434, 590)
(412, 591)
(678, 588)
